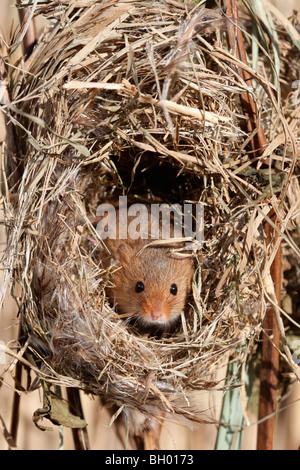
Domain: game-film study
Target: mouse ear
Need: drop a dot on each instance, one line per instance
(124, 252)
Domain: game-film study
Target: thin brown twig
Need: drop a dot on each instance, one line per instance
(270, 355)
(16, 404)
(14, 166)
(30, 38)
(80, 436)
(236, 44)
(7, 436)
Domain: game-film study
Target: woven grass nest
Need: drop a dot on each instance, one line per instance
(145, 99)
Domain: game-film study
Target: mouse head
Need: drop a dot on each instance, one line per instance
(150, 285)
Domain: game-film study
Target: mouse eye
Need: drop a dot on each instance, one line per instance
(173, 289)
(139, 287)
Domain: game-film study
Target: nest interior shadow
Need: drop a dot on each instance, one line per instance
(143, 99)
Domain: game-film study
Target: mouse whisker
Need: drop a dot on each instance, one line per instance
(121, 315)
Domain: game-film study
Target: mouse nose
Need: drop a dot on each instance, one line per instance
(158, 316)
(159, 313)
(155, 311)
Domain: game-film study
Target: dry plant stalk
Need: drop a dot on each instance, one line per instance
(112, 91)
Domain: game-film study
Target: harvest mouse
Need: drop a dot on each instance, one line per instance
(149, 285)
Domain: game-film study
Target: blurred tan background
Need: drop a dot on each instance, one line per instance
(101, 436)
